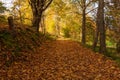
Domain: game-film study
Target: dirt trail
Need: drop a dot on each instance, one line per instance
(62, 60)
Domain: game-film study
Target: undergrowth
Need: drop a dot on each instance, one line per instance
(111, 53)
(14, 42)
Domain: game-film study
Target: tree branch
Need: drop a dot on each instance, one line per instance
(47, 4)
(91, 10)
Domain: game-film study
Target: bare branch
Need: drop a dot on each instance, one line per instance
(91, 10)
(47, 4)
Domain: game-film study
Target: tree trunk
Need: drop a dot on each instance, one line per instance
(96, 38)
(36, 17)
(36, 21)
(21, 20)
(83, 27)
(118, 46)
(100, 19)
(42, 24)
(38, 7)
(57, 30)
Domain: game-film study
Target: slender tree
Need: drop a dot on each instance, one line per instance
(84, 22)
(84, 4)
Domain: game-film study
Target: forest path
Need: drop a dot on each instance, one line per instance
(62, 60)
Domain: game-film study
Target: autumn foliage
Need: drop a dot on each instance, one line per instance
(42, 40)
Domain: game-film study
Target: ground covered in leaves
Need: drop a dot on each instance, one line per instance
(61, 60)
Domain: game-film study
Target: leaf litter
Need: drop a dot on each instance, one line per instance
(62, 60)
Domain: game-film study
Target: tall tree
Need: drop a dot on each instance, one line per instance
(83, 21)
(100, 30)
(101, 25)
(38, 7)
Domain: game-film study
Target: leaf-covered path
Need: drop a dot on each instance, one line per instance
(62, 60)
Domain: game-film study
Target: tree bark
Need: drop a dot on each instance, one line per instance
(38, 7)
(36, 21)
(96, 38)
(101, 26)
(42, 24)
(37, 14)
(118, 46)
(100, 30)
(83, 24)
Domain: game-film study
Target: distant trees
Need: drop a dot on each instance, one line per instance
(17, 12)
(38, 7)
(59, 8)
(113, 21)
(2, 10)
(21, 12)
(83, 6)
(67, 15)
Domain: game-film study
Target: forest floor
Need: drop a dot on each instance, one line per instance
(62, 60)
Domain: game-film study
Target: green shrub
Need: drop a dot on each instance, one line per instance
(2, 18)
(66, 32)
